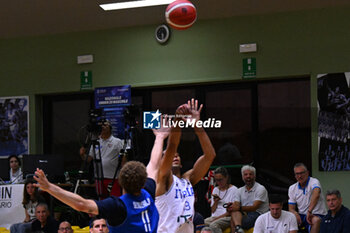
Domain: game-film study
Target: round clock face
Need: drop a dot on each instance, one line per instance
(162, 33)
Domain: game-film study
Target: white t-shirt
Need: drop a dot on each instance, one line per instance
(176, 207)
(256, 193)
(30, 207)
(265, 223)
(301, 197)
(110, 149)
(226, 196)
(17, 177)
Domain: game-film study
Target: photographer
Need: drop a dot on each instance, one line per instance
(110, 147)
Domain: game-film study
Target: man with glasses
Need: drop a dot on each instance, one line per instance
(306, 195)
(65, 227)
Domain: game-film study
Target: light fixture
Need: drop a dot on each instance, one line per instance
(134, 4)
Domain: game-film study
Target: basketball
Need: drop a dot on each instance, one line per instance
(181, 14)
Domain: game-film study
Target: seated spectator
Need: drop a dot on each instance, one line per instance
(306, 196)
(99, 225)
(16, 175)
(337, 219)
(223, 193)
(207, 230)
(250, 202)
(276, 220)
(31, 198)
(44, 223)
(65, 227)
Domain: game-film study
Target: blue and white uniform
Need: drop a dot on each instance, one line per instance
(176, 207)
(301, 197)
(129, 213)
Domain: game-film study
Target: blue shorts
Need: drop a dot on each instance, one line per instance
(304, 222)
(249, 219)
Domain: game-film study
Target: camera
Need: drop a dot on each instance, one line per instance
(130, 113)
(96, 120)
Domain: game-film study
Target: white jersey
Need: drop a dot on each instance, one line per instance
(301, 197)
(176, 207)
(265, 223)
(256, 193)
(110, 149)
(225, 197)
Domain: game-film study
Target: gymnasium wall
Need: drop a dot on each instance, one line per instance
(289, 44)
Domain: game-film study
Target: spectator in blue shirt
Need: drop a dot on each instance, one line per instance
(337, 219)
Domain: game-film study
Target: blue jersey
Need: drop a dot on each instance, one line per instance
(142, 214)
(130, 213)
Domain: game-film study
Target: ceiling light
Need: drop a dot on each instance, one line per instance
(134, 4)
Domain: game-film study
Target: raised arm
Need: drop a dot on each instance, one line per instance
(165, 177)
(203, 163)
(157, 151)
(73, 200)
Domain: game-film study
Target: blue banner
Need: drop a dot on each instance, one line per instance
(107, 97)
(113, 101)
(116, 117)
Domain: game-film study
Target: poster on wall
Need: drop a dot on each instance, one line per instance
(113, 101)
(14, 122)
(334, 121)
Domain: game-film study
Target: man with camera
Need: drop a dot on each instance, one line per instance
(108, 149)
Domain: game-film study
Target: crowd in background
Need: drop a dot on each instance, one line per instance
(159, 198)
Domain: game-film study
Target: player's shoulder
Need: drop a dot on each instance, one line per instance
(314, 180)
(293, 186)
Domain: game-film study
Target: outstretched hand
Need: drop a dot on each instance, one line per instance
(162, 132)
(194, 110)
(40, 177)
(190, 110)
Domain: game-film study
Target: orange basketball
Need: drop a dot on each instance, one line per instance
(181, 14)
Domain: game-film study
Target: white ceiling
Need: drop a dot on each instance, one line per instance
(43, 17)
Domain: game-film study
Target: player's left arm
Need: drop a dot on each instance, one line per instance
(203, 163)
(71, 199)
(157, 151)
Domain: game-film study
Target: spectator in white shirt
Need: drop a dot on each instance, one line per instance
(276, 220)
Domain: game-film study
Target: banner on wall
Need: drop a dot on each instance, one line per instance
(334, 121)
(14, 125)
(113, 101)
(11, 208)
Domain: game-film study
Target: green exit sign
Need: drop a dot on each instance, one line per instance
(249, 67)
(85, 80)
